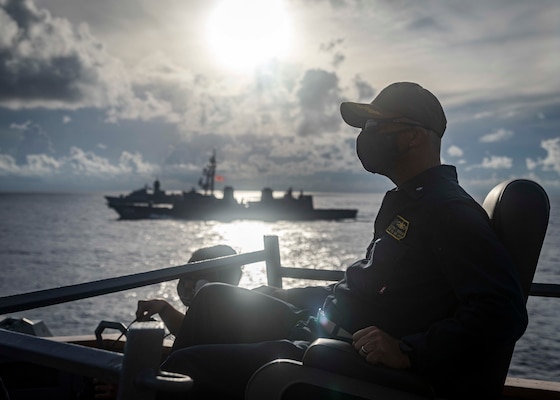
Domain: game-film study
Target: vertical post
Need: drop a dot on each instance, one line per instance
(272, 260)
(142, 355)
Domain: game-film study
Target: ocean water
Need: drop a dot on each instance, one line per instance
(50, 240)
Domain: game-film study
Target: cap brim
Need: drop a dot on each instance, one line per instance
(355, 114)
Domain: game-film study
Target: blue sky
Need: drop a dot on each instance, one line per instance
(109, 95)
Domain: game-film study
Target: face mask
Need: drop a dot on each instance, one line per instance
(378, 152)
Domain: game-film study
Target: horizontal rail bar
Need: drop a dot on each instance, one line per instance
(545, 290)
(537, 289)
(47, 297)
(63, 294)
(312, 274)
(67, 357)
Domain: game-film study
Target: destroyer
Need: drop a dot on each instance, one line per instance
(195, 205)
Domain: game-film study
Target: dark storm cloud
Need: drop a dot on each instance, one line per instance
(43, 58)
(319, 96)
(48, 62)
(55, 80)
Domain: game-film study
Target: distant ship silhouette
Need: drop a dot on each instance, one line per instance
(193, 205)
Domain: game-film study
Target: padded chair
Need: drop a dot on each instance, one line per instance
(519, 212)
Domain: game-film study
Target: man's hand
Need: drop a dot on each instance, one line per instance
(147, 308)
(379, 347)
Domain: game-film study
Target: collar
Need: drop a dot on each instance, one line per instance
(416, 186)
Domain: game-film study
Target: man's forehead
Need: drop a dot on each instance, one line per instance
(389, 124)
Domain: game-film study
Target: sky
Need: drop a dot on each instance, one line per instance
(109, 95)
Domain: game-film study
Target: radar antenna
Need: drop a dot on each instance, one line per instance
(208, 173)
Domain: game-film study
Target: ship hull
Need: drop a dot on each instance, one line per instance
(224, 212)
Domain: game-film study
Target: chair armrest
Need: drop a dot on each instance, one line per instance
(288, 379)
(341, 358)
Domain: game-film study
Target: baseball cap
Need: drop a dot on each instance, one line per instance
(399, 100)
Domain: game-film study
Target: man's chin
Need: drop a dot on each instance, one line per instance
(371, 168)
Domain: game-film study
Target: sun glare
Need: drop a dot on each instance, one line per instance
(244, 34)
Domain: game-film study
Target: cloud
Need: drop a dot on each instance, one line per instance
(47, 62)
(8, 29)
(88, 164)
(455, 151)
(366, 92)
(552, 160)
(77, 164)
(493, 162)
(36, 165)
(281, 162)
(497, 162)
(483, 114)
(497, 136)
(332, 48)
(319, 98)
(33, 140)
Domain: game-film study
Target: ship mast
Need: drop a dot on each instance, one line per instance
(207, 180)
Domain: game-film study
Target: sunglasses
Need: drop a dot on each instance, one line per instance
(373, 125)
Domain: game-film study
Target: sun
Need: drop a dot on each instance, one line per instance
(244, 34)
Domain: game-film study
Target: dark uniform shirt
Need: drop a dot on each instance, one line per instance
(435, 276)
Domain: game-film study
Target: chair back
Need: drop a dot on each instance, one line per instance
(519, 210)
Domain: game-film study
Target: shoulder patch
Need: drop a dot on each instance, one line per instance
(398, 228)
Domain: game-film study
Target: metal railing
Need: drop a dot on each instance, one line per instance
(270, 255)
(64, 294)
